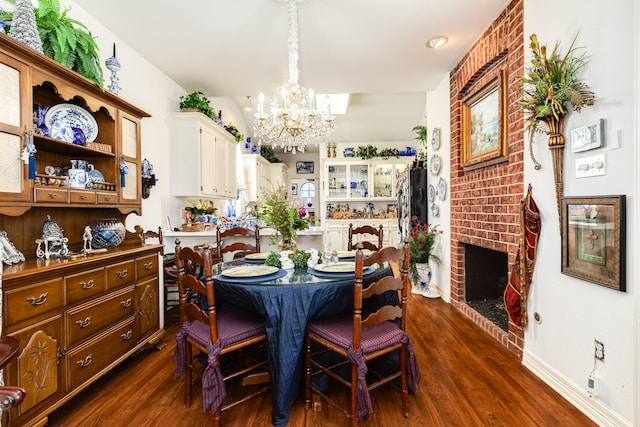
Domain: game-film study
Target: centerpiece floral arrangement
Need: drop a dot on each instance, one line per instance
(422, 239)
(199, 207)
(284, 215)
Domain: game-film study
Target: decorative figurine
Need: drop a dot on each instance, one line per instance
(113, 65)
(86, 239)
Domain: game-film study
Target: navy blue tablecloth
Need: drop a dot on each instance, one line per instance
(287, 304)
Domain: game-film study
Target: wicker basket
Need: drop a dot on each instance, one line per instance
(193, 226)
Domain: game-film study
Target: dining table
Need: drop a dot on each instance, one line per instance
(288, 299)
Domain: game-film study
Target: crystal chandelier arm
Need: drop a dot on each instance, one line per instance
(292, 42)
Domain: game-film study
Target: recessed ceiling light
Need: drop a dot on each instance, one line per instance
(437, 42)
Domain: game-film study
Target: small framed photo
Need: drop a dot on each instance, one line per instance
(294, 189)
(593, 239)
(304, 167)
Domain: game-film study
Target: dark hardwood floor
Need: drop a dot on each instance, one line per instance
(468, 379)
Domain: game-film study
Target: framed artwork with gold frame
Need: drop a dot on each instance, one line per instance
(593, 239)
(484, 124)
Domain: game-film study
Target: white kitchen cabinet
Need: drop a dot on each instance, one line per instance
(338, 231)
(257, 175)
(279, 174)
(203, 162)
(362, 180)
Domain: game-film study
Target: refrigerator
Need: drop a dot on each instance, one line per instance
(412, 199)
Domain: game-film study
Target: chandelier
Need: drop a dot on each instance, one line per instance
(294, 120)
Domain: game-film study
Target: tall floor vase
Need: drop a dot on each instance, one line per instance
(422, 284)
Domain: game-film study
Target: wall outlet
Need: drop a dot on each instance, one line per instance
(599, 351)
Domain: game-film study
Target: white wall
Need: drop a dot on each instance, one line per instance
(574, 312)
(438, 116)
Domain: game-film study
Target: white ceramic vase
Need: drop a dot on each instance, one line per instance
(421, 285)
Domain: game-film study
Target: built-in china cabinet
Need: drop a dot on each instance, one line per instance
(75, 316)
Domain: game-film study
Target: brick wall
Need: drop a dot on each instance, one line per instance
(485, 200)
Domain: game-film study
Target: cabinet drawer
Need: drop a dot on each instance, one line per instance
(147, 266)
(85, 284)
(50, 195)
(120, 274)
(29, 301)
(89, 359)
(89, 319)
(76, 196)
(107, 198)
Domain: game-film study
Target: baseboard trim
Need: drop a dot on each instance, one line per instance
(592, 407)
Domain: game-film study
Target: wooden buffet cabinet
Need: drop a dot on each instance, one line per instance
(75, 317)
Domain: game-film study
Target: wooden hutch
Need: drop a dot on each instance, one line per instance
(74, 317)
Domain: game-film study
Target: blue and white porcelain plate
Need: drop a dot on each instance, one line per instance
(61, 118)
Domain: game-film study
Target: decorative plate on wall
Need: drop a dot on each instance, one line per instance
(434, 164)
(441, 189)
(435, 210)
(435, 138)
(431, 192)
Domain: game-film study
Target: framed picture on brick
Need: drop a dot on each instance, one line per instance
(484, 124)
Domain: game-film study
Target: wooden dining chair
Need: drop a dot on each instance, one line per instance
(10, 396)
(239, 248)
(214, 333)
(146, 235)
(364, 230)
(354, 340)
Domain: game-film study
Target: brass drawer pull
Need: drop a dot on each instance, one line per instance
(83, 197)
(85, 362)
(38, 301)
(107, 199)
(122, 274)
(84, 323)
(126, 304)
(148, 265)
(126, 336)
(53, 195)
(87, 285)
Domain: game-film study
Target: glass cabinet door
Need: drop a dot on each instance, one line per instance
(358, 181)
(337, 181)
(383, 182)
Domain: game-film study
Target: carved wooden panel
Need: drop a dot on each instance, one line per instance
(38, 369)
(9, 95)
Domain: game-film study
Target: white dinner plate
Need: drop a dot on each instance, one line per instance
(250, 271)
(336, 267)
(258, 256)
(62, 117)
(352, 254)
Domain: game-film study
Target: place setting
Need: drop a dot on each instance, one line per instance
(344, 269)
(256, 258)
(251, 273)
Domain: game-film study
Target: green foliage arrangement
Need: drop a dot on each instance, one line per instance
(233, 130)
(269, 154)
(368, 152)
(282, 214)
(299, 259)
(389, 152)
(197, 101)
(422, 239)
(421, 134)
(65, 39)
(551, 82)
(273, 259)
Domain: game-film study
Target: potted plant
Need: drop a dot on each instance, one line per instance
(551, 82)
(64, 39)
(421, 138)
(422, 240)
(196, 101)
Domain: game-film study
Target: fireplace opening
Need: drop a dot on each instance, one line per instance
(485, 279)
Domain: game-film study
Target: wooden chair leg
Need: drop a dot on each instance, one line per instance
(403, 381)
(354, 392)
(216, 417)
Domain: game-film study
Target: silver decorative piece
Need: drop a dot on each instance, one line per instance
(113, 65)
(53, 240)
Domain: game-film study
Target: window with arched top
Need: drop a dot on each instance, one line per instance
(307, 190)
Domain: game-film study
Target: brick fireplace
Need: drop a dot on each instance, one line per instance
(485, 198)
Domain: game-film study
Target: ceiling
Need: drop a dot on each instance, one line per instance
(373, 49)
